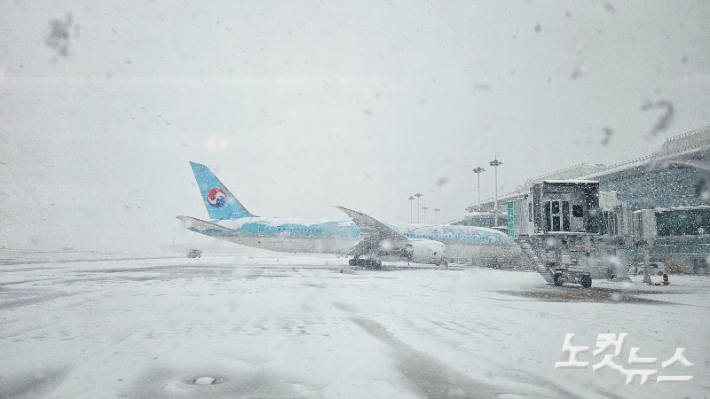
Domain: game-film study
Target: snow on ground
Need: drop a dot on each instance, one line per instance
(294, 326)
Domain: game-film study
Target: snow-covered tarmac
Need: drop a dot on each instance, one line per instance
(86, 327)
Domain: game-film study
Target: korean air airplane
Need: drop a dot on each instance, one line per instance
(366, 239)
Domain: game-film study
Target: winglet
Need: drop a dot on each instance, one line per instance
(369, 225)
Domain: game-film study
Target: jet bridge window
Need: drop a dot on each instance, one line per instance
(565, 216)
(557, 215)
(577, 211)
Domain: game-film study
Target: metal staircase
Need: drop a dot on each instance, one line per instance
(534, 259)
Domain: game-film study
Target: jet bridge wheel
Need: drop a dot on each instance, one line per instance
(368, 263)
(557, 279)
(586, 281)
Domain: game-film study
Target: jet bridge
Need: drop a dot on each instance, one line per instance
(556, 228)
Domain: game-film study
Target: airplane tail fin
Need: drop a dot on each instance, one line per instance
(220, 203)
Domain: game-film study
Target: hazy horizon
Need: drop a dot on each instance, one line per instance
(301, 107)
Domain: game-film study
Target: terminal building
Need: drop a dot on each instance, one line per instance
(660, 202)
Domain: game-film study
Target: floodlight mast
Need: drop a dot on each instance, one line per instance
(418, 195)
(495, 163)
(478, 170)
(411, 209)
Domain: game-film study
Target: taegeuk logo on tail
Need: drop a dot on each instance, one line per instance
(217, 197)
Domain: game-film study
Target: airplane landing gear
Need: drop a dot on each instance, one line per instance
(367, 263)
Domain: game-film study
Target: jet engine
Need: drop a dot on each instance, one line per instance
(423, 251)
(415, 250)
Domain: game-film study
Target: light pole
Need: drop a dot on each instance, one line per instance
(436, 215)
(478, 170)
(495, 164)
(418, 195)
(424, 208)
(411, 210)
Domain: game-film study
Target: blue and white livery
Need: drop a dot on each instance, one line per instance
(368, 240)
(220, 203)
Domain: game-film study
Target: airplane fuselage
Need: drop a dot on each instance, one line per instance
(340, 236)
(362, 236)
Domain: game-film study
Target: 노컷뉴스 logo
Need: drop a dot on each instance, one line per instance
(608, 341)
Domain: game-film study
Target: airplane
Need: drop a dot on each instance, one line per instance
(366, 239)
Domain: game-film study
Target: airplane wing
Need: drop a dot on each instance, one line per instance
(377, 230)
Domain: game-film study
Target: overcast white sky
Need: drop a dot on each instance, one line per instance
(300, 106)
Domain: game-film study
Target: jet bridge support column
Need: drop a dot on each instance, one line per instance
(646, 265)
